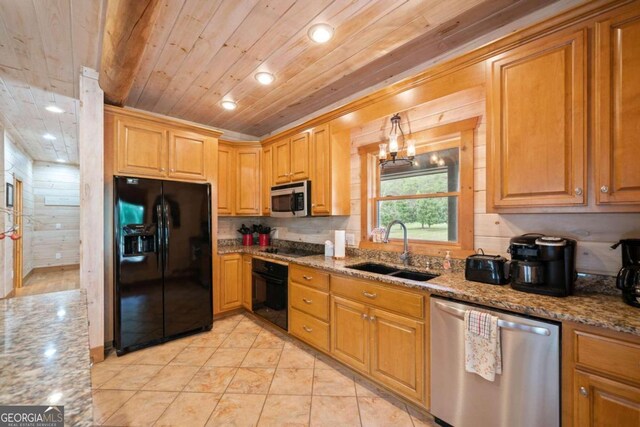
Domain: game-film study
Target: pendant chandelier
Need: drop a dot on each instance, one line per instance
(394, 150)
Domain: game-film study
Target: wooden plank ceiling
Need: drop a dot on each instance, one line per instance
(201, 51)
(43, 44)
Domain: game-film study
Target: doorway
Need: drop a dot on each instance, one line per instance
(17, 226)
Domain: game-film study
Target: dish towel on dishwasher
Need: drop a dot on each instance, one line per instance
(482, 353)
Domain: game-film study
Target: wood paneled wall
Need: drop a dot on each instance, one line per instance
(17, 164)
(56, 190)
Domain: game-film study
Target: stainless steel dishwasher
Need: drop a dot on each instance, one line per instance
(526, 394)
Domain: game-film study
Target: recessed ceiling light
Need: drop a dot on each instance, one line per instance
(320, 33)
(61, 161)
(228, 104)
(265, 78)
(54, 109)
(49, 137)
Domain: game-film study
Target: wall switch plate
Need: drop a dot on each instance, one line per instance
(58, 255)
(351, 239)
(58, 226)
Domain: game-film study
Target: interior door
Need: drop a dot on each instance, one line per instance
(18, 262)
(187, 257)
(138, 233)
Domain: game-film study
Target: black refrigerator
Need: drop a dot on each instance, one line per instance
(163, 270)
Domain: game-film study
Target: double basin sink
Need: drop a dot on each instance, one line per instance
(372, 267)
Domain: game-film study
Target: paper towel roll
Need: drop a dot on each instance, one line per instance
(339, 244)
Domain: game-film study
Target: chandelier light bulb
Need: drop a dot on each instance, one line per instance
(382, 154)
(411, 148)
(320, 33)
(393, 143)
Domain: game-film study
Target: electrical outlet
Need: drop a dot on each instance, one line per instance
(351, 239)
(58, 226)
(58, 255)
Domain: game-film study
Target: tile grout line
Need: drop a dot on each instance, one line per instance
(270, 384)
(234, 374)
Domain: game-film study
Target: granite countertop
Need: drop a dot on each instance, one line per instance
(44, 353)
(595, 309)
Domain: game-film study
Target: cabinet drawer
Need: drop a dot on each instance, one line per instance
(603, 354)
(309, 277)
(309, 329)
(395, 300)
(309, 300)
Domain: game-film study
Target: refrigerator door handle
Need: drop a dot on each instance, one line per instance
(167, 225)
(159, 236)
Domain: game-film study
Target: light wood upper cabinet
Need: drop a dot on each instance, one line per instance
(599, 402)
(536, 153)
(321, 171)
(300, 157)
(291, 159)
(147, 146)
(281, 162)
(330, 170)
(239, 178)
(187, 156)
(267, 179)
(230, 287)
(248, 181)
(226, 179)
(617, 110)
(141, 148)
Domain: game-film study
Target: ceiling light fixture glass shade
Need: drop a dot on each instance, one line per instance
(49, 137)
(395, 135)
(54, 109)
(320, 33)
(227, 104)
(265, 78)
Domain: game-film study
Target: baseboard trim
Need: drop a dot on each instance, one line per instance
(53, 268)
(228, 313)
(96, 354)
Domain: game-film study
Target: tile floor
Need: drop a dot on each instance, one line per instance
(240, 373)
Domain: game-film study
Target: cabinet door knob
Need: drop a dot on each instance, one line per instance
(161, 169)
(308, 301)
(578, 191)
(369, 294)
(306, 328)
(173, 170)
(373, 318)
(364, 316)
(604, 189)
(583, 391)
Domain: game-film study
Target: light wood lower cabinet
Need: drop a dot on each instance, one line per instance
(309, 306)
(601, 402)
(388, 347)
(247, 282)
(397, 352)
(227, 295)
(601, 377)
(350, 333)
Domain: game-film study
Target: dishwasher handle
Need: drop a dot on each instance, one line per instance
(505, 324)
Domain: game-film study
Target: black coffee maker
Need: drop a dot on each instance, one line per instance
(543, 264)
(629, 276)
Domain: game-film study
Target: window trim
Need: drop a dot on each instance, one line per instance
(441, 137)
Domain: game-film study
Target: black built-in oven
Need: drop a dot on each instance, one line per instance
(269, 288)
